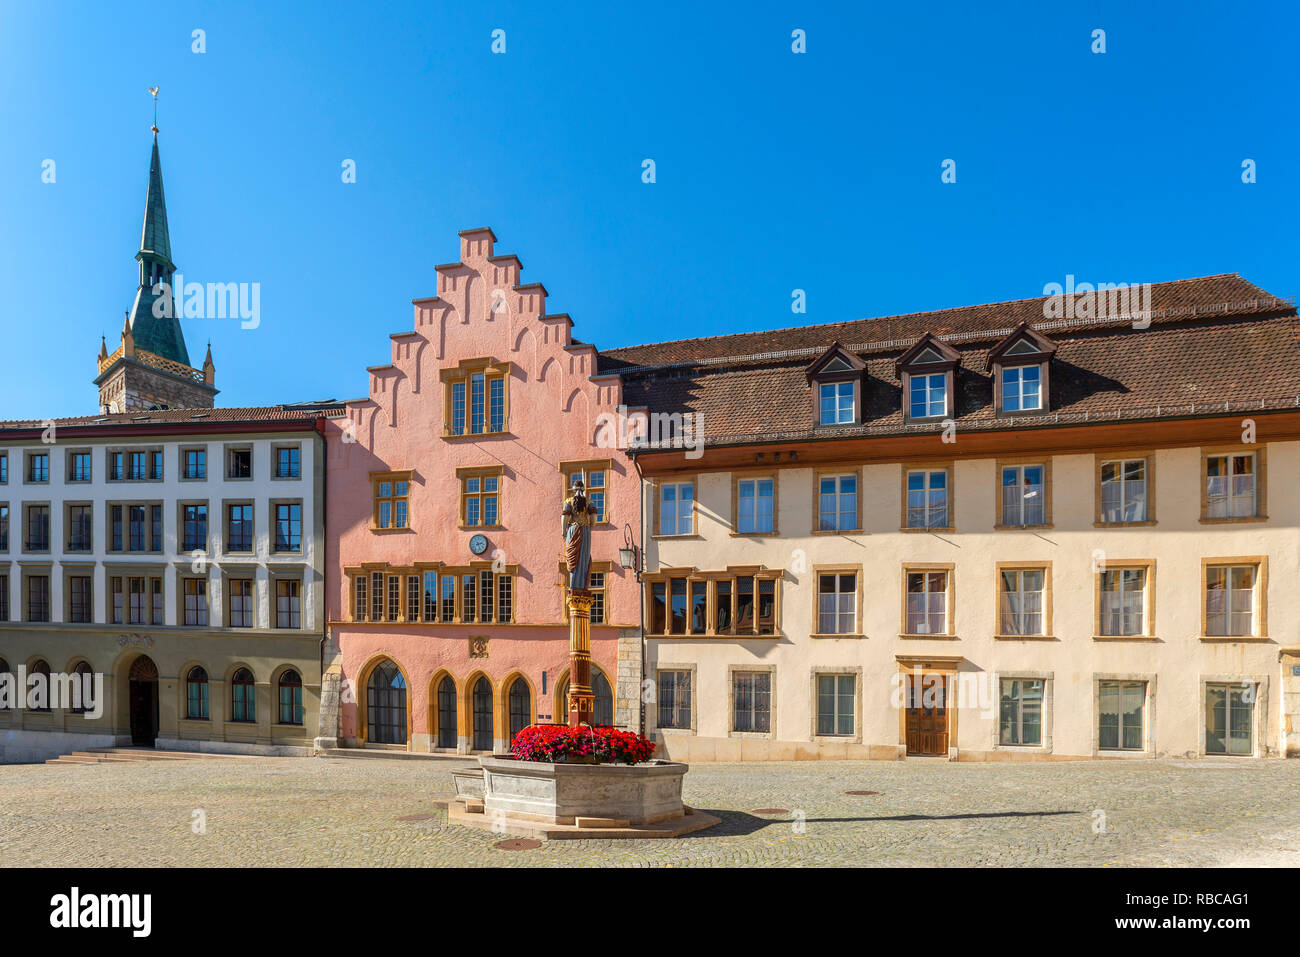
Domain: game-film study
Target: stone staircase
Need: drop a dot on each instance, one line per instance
(392, 751)
(125, 755)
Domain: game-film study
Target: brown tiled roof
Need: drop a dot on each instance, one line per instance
(1217, 343)
(298, 412)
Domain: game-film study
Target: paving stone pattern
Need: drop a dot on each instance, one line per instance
(319, 812)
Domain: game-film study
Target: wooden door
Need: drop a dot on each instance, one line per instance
(927, 715)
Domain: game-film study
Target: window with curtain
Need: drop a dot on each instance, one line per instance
(1230, 600)
(1120, 707)
(1023, 495)
(927, 603)
(1021, 712)
(837, 603)
(1022, 601)
(1230, 486)
(835, 704)
(1124, 491)
(1123, 601)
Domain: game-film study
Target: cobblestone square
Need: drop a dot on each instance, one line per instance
(348, 812)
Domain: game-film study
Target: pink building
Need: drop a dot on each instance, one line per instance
(445, 593)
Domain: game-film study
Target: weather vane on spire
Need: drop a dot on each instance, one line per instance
(154, 90)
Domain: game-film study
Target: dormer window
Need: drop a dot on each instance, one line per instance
(1022, 388)
(928, 373)
(929, 396)
(1020, 364)
(837, 401)
(836, 379)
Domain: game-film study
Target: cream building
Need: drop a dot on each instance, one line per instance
(980, 533)
(178, 554)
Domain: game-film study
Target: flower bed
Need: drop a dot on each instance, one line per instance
(556, 743)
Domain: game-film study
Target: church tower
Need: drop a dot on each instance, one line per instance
(151, 367)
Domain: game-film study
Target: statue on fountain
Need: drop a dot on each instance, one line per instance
(579, 515)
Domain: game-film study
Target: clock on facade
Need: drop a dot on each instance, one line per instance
(478, 544)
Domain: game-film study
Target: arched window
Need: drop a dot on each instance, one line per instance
(520, 707)
(196, 694)
(603, 714)
(482, 715)
(84, 688)
(11, 695)
(40, 691)
(446, 712)
(243, 696)
(290, 698)
(386, 705)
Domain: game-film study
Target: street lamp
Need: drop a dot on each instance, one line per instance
(629, 554)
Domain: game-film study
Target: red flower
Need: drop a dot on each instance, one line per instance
(551, 742)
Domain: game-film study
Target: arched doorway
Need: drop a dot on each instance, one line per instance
(520, 700)
(142, 695)
(603, 712)
(386, 705)
(446, 712)
(482, 699)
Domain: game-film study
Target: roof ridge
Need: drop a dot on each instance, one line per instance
(894, 316)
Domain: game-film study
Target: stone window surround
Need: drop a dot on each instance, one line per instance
(752, 475)
(950, 599)
(22, 530)
(1021, 566)
(1123, 455)
(1049, 690)
(1148, 599)
(652, 714)
(275, 461)
(73, 570)
(1261, 481)
(1020, 461)
(180, 462)
(840, 569)
(818, 671)
(656, 487)
(732, 671)
(831, 472)
(1148, 716)
(461, 372)
(709, 581)
(304, 532)
(937, 465)
(1259, 615)
(146, 570)
(229, 447)
(126, 505)
(68, 470)
(125, 451)
(68, 506)
(1259, 719)
(225, 526)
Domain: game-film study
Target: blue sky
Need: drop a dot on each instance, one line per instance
(775, 171)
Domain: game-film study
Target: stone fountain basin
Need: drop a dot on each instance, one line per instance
(643, 793)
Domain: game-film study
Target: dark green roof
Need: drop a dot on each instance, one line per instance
(154, 237)
(160, 335)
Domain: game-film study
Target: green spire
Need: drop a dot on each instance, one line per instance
(160, 335)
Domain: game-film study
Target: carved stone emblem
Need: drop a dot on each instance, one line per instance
(478, 647)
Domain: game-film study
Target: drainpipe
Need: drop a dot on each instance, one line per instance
(323, 458)
(640, 598)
